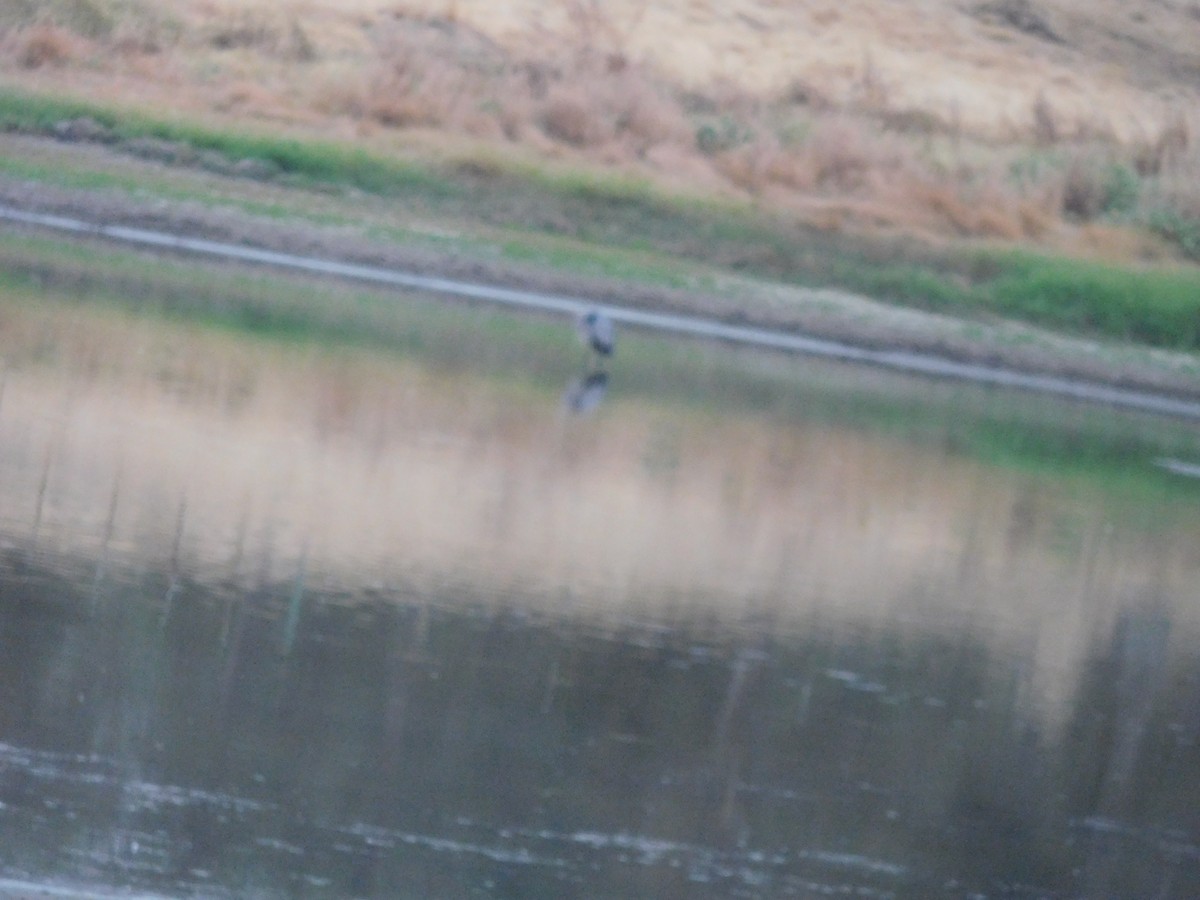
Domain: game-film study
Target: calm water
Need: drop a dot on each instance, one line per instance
(284, 623)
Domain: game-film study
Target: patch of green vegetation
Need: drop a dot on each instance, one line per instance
(1081, 444)
(310, 162)
(720, 135)
(1122, 186)
(21, 111)
(1153, 305)
(911, 284)
(36, 171)
(1156, 306)
(307, 162)
(588, 259)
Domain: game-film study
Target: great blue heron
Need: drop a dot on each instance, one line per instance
(596, 331)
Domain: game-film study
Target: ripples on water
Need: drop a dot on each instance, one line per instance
(282, 625)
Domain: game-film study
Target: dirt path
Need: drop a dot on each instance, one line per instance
(824, 314)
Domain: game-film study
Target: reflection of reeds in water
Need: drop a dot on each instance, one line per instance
(194, 453)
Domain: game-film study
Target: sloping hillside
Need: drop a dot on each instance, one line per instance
(1067, 123)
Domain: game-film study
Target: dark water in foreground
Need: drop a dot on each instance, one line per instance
(340, 635)
(181, 739)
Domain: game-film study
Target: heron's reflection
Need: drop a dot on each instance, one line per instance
(585, 393)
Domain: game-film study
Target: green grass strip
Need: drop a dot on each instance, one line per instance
(309, 160)
(1154, 306)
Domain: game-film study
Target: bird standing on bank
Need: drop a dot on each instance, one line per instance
(597, 332)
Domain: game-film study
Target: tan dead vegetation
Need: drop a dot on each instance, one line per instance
(911, 120)
(47, 44)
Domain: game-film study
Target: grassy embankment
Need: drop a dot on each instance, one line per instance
(1157, 305)
(41, 277)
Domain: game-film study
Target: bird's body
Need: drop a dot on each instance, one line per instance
(597, 332)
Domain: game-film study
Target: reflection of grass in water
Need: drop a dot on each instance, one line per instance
(1009, 429)
(378, 466)
(1002, 428)
(283, 309)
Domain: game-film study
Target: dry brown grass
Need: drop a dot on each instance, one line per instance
(578, 80)
(1085, 192)
(1175, 161)
(569, 115)
(47, 45)
(1166, 149)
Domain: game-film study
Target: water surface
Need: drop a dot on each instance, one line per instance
(280, 621)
